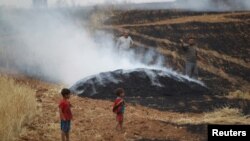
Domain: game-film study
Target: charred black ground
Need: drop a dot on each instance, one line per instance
(222, 38)
(223, 58)
(223, 52)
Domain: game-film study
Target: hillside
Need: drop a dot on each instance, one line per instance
(223, 44)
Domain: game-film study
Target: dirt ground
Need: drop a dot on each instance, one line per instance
(94, 120)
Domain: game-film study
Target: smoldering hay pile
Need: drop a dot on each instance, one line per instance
(145, 86)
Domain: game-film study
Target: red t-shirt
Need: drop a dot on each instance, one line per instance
(65, 107)
(118, 105)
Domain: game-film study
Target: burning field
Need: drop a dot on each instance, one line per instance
(223, 48)
(59, 48)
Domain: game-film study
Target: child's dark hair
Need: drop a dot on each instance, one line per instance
(119, 91)
(65, 92)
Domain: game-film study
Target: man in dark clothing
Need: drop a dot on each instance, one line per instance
(190, 56)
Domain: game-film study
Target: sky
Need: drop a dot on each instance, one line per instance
(28, 3)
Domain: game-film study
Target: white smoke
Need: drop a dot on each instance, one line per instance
(213, 5)
(53, 3)
(208, 5)
(56, 47)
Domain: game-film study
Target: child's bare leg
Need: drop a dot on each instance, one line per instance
(120, 124)
(63, 136)
(117, 125)
(67, 136)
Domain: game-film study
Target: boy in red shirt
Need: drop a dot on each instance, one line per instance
(65, 114)
(119, 107)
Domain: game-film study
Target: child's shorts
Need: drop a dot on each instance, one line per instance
(65, 126)
(119, 117)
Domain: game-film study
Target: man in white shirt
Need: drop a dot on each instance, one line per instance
(124, 42)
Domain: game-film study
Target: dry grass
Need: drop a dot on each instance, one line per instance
(100, 16)
(239, 95)
(17, 107)
(199, 18)
(224, 115)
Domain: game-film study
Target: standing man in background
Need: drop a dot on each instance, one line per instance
(124, 42)
(190, 56)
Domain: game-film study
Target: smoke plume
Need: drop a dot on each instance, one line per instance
(52, 45)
